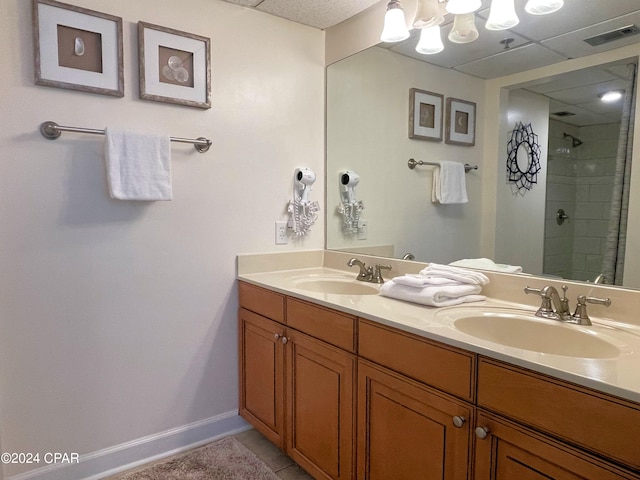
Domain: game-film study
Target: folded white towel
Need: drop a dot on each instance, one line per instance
(435, 296)
(486, 264)
(138, 165)
(418, 281)
(461, 275)
(449, 183)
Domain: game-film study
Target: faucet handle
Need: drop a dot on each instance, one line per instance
(546, 308)
(377, 275)
(580, 316)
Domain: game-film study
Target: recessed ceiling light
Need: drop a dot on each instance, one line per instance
(611, 96)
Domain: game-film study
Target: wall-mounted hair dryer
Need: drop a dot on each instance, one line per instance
(303, 211)
(348, 181)
(303, 178)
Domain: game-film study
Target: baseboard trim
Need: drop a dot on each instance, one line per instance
(113, 460)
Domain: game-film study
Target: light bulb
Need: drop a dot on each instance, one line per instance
(430, 41)
(429, 13)
(502, 15)
(543, 7)
(464, 29)
(458, 7)
(395, 27)
(611, 96)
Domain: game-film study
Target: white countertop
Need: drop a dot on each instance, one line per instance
(618, 376)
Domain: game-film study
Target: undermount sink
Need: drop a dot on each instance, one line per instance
(527, 332)
(338, 285)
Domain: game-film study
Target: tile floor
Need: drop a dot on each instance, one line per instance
(275, 459)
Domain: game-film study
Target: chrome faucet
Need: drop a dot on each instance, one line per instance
(555, 307)
(368, 274)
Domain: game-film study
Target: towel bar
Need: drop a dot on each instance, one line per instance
(51, 131)
(413, 163)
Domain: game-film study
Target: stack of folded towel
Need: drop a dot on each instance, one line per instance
(437, 286)
(486, 264)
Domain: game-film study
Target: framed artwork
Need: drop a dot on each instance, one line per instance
(461, 122)
(174, 66)
(77, 49)
(425, 115)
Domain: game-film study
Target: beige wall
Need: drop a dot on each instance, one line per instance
(118, 319)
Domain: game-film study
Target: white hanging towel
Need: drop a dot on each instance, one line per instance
(138, 165)
(449, 183)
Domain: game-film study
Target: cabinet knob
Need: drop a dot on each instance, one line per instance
(458, 421)
(482, 432)
(276, 336)
(284, 340)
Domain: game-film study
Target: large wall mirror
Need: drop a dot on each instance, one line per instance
(579, 137)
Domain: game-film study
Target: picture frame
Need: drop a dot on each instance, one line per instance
(425, 115)
(174, 66)
(461, 122)
(77, 49)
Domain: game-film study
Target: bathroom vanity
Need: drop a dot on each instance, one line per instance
(362, 386)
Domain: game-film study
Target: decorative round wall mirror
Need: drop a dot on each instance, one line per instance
(523, 156)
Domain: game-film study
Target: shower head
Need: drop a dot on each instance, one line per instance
(575, 142)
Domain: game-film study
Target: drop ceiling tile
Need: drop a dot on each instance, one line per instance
(511, 61)
(586, 93)
(611, 110)
(574, 15)
(573, 79)
(572, 44)
(581, 118)
(314, 13)
(488, 43)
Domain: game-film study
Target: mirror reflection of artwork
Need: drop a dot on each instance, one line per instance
(79, 49)
(175, 66)
(427, 115)
(523, 157)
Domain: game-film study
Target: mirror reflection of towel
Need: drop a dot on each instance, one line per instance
(138, 165)
(449, 183)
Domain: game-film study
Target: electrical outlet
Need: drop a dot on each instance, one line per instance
(362, 229)
(281, 232)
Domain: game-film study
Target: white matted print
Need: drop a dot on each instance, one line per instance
(174, 66)
(425, 115)
(461, 122)
(76, 48)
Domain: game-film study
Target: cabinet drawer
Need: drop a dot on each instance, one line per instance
(603, 424)
(262, 301)
(328, 325)
(445, 368)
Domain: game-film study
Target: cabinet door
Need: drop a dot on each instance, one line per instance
(406, 430)
(320, 410)
(262, 374)
(510, 451)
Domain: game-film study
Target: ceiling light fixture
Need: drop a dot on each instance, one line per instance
(611, 96)
(430, 41)
(458, 7)
(464, 29)
(543, 7)
(431, 14)
(395, 26)
(502, 15)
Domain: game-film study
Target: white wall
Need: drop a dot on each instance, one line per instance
(519, 212)
(367, 132)
(118, 319)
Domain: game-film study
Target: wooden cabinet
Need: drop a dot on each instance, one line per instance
(511, 451)
(296, 386)
(320, 408)
(406, 431)
(262, 374)
(412, 409)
